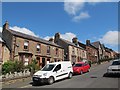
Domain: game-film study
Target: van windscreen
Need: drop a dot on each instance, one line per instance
(48, 67)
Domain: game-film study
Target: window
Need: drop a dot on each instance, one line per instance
(57, 51)
(48, 67)
(58, 67)
(26, 43)
(48, 49)
(73, 50)
(116, 63)
(38, 48)
(77, 51)
(77, 65)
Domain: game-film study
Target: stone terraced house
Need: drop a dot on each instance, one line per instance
(25, 47)
(72, 51)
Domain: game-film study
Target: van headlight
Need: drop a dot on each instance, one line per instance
(45, 74)
(109, 70)
(37, 75)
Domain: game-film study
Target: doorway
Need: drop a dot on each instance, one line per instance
(43, 62)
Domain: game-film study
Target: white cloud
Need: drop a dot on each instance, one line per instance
(73, 7)
(1, 34)
(48, 37)
(111, 38)
(0, 29)
(23, 30)
(83, 15)
(67, 36)
(76, 7)
(91, 0)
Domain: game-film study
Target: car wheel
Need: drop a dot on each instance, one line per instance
(81, 72)
(70, 75)
(50, 80)
(34, 83)
(88, 70)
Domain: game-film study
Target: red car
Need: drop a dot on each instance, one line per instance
(81, 67)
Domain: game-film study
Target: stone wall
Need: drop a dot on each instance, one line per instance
(16, 75)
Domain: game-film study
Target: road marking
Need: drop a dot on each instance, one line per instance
(26, 86)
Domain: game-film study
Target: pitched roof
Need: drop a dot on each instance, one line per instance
(96, 44)
(19, 34)
(82, 45)
(70, 43)
(92, 46)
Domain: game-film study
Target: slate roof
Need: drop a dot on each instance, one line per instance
(82, 45)
(19, 34)
(70, 43)
(92, 46)
(96, 44)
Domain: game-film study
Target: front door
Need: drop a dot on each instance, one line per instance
(26, 60)
(58, 72)
(43, 62)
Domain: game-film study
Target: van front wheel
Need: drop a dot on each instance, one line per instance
(70, 75)
(50, 80)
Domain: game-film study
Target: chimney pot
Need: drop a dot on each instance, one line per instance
(87, 42)
(75, 40)
(51, 40)
(57, 37)
(6, 25)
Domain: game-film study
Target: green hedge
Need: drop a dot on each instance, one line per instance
(18, 66)
(12, 66)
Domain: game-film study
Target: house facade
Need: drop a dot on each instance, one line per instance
(4, 52)
(98, 45)
(107, 53)
(1, 52)
(25, 47)
(72, 51)
(92, 52)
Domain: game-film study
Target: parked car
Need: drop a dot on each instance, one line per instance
(81, 67)
(53, 72)
(114, 68)
(87, 61)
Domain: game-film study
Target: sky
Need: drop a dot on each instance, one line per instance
(84, 20)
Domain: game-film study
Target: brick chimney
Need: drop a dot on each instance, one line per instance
(6, 25)
(87, 42)
(75, 40)
(51, 40)
(57, 37)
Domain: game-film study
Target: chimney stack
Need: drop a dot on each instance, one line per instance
(51, 40)
(87, 42)
(6, 25)
(57, 37)
(75, 40)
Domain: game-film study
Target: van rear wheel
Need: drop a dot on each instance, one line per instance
(70, 75)
(50, 80)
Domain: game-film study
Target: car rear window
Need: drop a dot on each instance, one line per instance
(77, 65)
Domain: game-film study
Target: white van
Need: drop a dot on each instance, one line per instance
(53, 71)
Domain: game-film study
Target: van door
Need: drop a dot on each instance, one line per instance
(58, 72)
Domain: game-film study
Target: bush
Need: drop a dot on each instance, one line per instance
(33, 65)
(8, 67)
(19, 66)
(12, 66)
